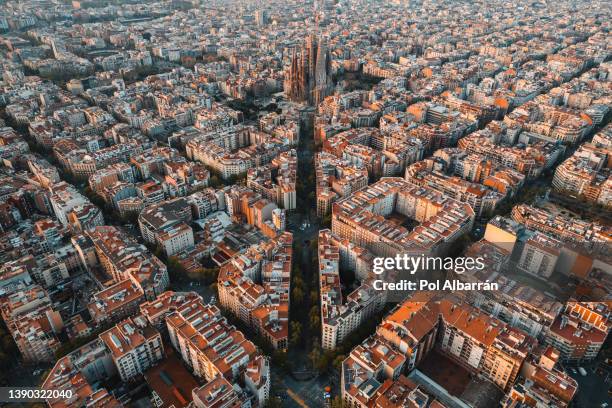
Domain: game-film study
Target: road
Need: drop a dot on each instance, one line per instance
(299, 394)
(592, 388)
(304, 225)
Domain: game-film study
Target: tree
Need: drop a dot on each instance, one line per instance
(215, 181)
(235, 178)
(279, 359)
(323, 362)
(315, 322)
(314, 296)
(326, 220)
(297, 271)
(296, 333)
(315, 355)
(315, 319)
(314, 245)
(273, 402)
(205, 275)
(8, 344)
(298, 294)
(175, 269)
(298, 282)
(337, 402)
(8, 351)
(337, 363)
(459, 246)
(298, 248)
(158, 252)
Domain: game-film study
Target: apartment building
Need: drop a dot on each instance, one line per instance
(335, 179)
(341, 316)
(580, 331)
(361, 218)
(134, 345)
(122, 258)
(156, 310)
(116, 302)
(280, 189)
(207, 342)
(476, 341)
(33, 322)
(218, 393)
(542, 382)
(77, 372)
(587, 174)
(482, 199)
(365, 369)
(255, 287)
(257, 379)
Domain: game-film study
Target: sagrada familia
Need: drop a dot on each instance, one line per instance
(309, 78)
